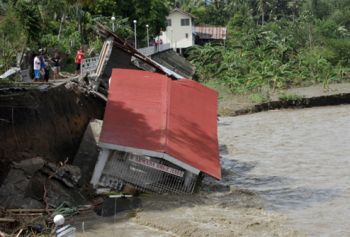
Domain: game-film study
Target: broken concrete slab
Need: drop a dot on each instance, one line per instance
(88, 151)
(12, 71)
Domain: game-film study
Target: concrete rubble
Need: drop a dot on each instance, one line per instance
(29, 181)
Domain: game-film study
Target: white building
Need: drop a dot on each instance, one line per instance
(179, 30)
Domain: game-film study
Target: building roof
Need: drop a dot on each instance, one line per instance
(210, 32)
(182, 12)
(127, 48)
(149, 114)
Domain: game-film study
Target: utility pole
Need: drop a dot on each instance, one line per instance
(113, 20)
(147, 35)
(135, 21)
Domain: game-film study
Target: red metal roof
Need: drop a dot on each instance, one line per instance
(210, 32)
(150, 114)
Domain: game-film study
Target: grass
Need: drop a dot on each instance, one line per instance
(259, 98)
(290, 97)
(218, 87)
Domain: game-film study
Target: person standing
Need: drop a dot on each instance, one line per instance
(44, 67)
(56, 66)
(36, 67)
(78, 59)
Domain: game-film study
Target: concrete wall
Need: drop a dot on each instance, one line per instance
(176, 34)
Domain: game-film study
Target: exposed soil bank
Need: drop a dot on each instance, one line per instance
(303, 97)
(45, 122)
(336, 99)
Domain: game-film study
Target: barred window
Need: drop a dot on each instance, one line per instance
(185, 22)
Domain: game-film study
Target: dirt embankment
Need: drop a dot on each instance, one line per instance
(303, 97)
(326, 100)
(46, 122)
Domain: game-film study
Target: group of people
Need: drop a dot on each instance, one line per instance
(41, 65)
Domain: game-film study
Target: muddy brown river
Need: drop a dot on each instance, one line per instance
(285, 173)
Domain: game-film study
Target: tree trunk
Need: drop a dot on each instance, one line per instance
(61, 25)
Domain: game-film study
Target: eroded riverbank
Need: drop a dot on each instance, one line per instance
(285, 173)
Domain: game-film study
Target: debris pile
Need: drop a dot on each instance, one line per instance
(34, 191)
(36, 183)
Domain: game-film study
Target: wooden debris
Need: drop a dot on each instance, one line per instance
(7, 220)
(27, 210)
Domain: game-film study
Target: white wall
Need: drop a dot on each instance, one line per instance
(176, 34)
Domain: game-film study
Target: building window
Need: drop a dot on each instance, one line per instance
(168, 22)
(185, 22)
(186, 35)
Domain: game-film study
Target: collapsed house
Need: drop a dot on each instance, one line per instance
(159, 130)
(158, 134)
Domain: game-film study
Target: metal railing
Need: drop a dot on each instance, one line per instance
(146, 174)
(148, 51)
(89, 65)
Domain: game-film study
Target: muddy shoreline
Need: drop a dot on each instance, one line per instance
(328, 100)
(294, 98)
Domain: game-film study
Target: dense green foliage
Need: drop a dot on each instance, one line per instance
(276, 44)
(65, 25)
(270, 44)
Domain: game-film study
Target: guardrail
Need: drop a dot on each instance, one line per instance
(89, 65)
(148, 51)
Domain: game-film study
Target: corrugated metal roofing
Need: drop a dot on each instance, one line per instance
(148, 113)
(210, 32)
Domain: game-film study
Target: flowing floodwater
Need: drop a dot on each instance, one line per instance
(285, 173)
(298, 161)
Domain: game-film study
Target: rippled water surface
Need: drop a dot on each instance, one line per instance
(298, 161)
(284, 173)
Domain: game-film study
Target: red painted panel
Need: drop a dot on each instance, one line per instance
(135, 110)
(150, 111)
(192, 126)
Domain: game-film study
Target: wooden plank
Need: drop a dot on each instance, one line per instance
(7, 220)
(28, 214)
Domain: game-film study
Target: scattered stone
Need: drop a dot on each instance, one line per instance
(28, 181)
(30, 166)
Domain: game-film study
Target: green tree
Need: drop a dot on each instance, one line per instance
(30, 18)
